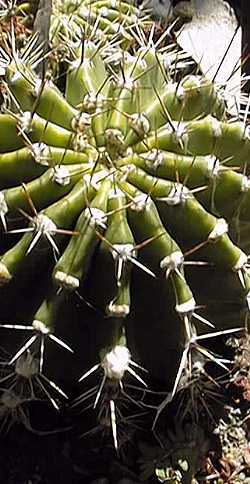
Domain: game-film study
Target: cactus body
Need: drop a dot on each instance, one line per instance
(115, 188)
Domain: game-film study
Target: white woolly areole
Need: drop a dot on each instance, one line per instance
(67, 281)
(186, 308)
(154, 158)
(15, 78)
(119, 57)
(92, 101)
(116, 362)
(93, 179)
(196, 80)
(140, 61)
(165, 60)
(140, 202)
(40, 327)
(3, 204)
(114, 137)
(140, 123)
(128, 83)
(41, 153)
(213, 166)
(245, 184)
(61, 175)
(44, 224)
(86, 62)
(118, 310)
(116, 193)
(248, 300)
(25, 120)
(5, 276)
(80, 142)
(119, 29)
(220, 229)
(4, 63)
(178, 194)
(96, 216)
(241, 262)
(114, 4)
(80, 122)
(39, 85)
(87, 14)
(122, 251)
(180, 91)
(126, 170)
(104, 11)
(245, 131)
(216, 126)
(180, 134)
(172, 261)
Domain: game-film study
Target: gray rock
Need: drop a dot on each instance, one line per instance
(207, 37)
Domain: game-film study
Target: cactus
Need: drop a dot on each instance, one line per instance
(101, 21)
(121, 202)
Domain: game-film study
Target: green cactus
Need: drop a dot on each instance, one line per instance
(118, 205)
(101, 21)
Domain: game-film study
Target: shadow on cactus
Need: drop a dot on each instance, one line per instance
(118, 206)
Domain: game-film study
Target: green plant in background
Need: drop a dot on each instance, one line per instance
(12, 9)
(121, 206)
(235, 446)
(18, 11)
